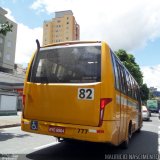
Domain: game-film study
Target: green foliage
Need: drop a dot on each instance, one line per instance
(5, 27)
(151, 96)
(128, 61)
(144, 92)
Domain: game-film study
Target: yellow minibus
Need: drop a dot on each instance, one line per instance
(80, 90)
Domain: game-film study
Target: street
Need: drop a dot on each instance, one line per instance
(22, 145)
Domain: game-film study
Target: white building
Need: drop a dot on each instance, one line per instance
(11, 89)
(11, 82)
(7, 45)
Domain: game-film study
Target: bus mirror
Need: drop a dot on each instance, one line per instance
(38, 44)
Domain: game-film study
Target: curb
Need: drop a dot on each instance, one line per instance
(10, 125)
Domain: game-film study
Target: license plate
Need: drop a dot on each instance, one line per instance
(56, 129)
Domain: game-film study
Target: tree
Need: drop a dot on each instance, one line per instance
(5, 27)
(128, 61)
(144, 92)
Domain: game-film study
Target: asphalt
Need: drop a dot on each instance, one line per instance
(10, 120)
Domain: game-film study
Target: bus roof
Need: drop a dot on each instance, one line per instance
(70, 43)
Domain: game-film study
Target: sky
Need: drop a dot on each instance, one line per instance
(132, 25)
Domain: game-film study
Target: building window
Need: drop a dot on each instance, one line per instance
(8, 57)
(0, 54)
(67, 22)
(1, 40)
(9, 44)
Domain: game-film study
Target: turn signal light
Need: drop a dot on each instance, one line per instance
(103, 103)
(24, 99)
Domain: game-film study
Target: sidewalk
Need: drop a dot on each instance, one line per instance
(10, 121)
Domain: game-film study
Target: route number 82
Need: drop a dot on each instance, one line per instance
(86, 93)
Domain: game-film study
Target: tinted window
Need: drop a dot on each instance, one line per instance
(81, 64)
(115, 70)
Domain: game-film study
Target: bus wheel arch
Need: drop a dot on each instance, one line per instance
(125, 143)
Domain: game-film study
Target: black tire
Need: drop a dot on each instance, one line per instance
(125, 144)
(138, 130)
(130, 131)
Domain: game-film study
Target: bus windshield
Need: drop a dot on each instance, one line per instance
(71, 64)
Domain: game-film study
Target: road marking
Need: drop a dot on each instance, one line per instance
(10, 128)
(46, 145)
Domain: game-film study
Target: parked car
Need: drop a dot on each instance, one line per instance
(145, 113)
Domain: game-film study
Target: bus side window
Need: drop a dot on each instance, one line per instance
(123, 78)
(126, 83)
(130, 86)
(116, 76)
(134, 89)
(136, 96)
(120, 77)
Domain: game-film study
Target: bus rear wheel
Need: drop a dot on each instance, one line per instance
(125, 144)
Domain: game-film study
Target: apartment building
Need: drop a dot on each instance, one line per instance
(61, 28)
(7, 45)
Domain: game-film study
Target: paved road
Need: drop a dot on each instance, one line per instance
(144, 145)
